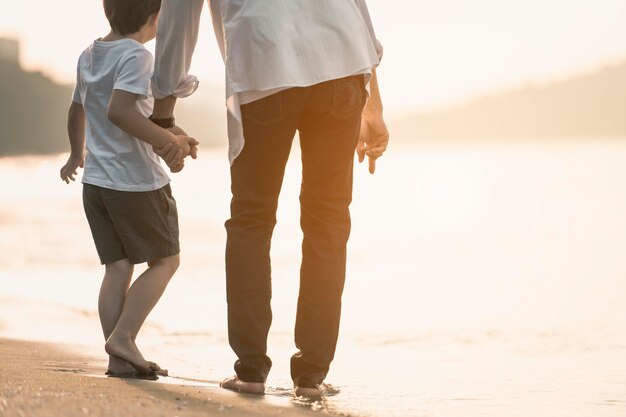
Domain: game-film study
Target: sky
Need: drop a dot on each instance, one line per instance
(437, 52)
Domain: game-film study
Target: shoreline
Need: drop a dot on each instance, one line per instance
(46, 379)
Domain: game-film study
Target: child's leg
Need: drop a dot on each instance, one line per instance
(115, 284)
(140, 300)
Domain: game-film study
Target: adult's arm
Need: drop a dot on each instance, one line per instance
(177, 34)
(374, 136)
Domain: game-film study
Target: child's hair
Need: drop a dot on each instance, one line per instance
(128, 16)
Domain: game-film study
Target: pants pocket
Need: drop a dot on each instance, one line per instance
(348, 97)
(267, 111)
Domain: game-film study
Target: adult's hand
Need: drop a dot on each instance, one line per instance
(373, 139)
(193, 143)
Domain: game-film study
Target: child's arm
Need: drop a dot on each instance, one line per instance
(124, 114)
(76, 132)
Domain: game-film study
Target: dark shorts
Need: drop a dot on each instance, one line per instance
(138, 226)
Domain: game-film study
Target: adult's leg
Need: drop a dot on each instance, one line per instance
(256, 178)
(328, 133)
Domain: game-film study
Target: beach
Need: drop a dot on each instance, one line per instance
(483, 279)
(45, 379)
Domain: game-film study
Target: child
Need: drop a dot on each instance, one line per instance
(126, 193)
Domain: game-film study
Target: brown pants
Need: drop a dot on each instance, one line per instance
(328, 118)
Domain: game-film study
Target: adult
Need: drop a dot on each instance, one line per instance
(291, 65)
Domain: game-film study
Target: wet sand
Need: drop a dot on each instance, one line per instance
(43, 379)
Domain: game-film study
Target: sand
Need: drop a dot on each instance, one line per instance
(43, 379)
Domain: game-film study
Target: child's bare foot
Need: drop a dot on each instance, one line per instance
(126, 350)
(119, 366)
(320, 391)
(121, 369)
(235, 384)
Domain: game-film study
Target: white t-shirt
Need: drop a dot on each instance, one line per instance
(115, 159)
(267, 46)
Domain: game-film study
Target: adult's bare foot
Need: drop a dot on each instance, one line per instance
(235, 384)
(126, 350)
(320, 391)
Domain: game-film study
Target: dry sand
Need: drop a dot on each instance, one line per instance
(41, 380)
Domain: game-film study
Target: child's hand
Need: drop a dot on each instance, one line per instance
(71, 166)
(178, 167)
(193, 143)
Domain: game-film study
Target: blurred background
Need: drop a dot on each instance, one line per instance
(487, 266)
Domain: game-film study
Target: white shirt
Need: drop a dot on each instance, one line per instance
(115, 159)
(267, 46)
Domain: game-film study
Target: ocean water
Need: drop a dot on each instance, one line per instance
(483, 279)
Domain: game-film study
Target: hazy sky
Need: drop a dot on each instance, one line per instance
(437, 52)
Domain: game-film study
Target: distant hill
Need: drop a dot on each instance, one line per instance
(33, 113)
(591, 105)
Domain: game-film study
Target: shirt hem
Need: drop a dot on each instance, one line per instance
(363, 70)
(125, 187)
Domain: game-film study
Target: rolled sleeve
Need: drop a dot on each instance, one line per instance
(177, 34)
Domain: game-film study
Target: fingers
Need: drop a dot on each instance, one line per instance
(68, 177)
(179, 167)
(193, 147)
(372, 165)
(173, 155)
(194, 152)
(162, 151)
(67, 174)
(374, 153)
(177, 159)
(378, 149)
(360, 150)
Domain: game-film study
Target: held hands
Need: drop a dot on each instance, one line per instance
(71, 167)
(193, 143)
(373, 139)
(174, 153)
